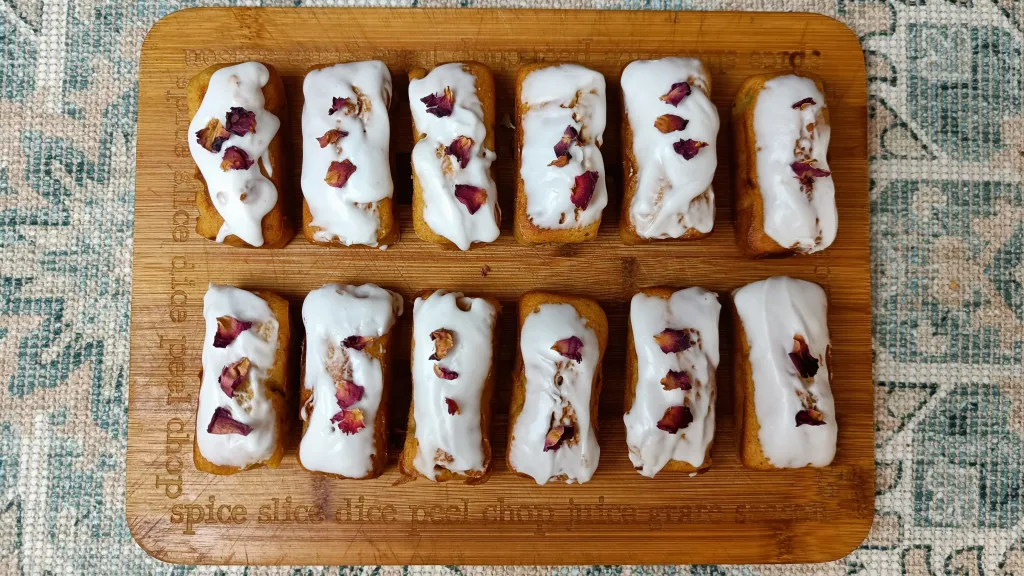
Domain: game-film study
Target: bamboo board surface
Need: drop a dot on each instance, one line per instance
(288, 516)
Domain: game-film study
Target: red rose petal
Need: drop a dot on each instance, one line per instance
(338, 104)
(676, 93)
(667, 123)
(802, 169)
(472, 197)
(810, 417)
(357, 342)
(347, 393)
(583, 189)
(240, 121)
(676, 381)
(213, 136)
(330, 137)
(557, 436)
(443, 341)
(675, 419)
(444, 373)
(339, 172)
(223, 423)
(233, 375)
(688, 148)
(672, 341)
(453, 407)
(228, 329)
(235, 159)
(804, 103)
(349, 420)
(806, 365)
(569, 137)
(570, 347)
(460, 148)
(440, 105)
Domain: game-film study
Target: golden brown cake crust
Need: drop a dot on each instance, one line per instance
(387, 234)
(749, 205)
(595, 318)
(278, 387)
(633, 376)
(523, 229)
(277, 231)
(406, 461)
(485, 92)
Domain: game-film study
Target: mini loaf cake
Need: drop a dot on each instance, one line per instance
(561, 187)
(785, 198)
(557, 382)
(455, 199)
(234, 137)
(782, 376)
(453, 344)
(669, 153)
(241, 420)
(346, 171)
(671, 358)
(345, 379)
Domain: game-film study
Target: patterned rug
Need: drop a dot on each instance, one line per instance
(946, 134)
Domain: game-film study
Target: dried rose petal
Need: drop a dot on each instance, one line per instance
(675, 419)
(349, 420)
(443, 342)
(453, 407)
(804, 103)
(223, 423)
(461, 148)
(472, 197)
(806, 365)
(339, 172)
(810, 417)
(338, 104)
(676, 381)
(440, 105)
(347, 393)
(688, 148)
(558, 435)
(570, 347)
(670, 123)
(357, 342)
(235, 159)
(330, 137)
(240, 121)
(806, 173)
(583, 189)
(676, 94)
(444, 373)
(561, 161)
(228, 329)
(569, 137)
(233, 375)
(213, 136)
(672, 341)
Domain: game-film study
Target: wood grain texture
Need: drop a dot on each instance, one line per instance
(287, 516)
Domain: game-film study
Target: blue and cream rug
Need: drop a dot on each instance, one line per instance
(946, 134)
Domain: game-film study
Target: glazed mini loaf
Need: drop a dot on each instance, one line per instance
(241, 421)
(671, 358)
(235, 138)
(455, 199)
(782, 376)
(561, 187)
(557, 382)
(785, 198)
(669, 134)
(345, 376)
(346, 171)
(453, 351)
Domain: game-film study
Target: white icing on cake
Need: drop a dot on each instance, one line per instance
(444, 214)
(259, 345)
(546, 97)
(331, 314)
(773, 312)
(347, 214)
(790, 218)
(458, 435)
(240, 85)
(664, 203)
(545, 401)
(650, 448)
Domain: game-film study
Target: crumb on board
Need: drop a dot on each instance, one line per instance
(484, 270)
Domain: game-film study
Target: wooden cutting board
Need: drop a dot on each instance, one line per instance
(288, 516)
